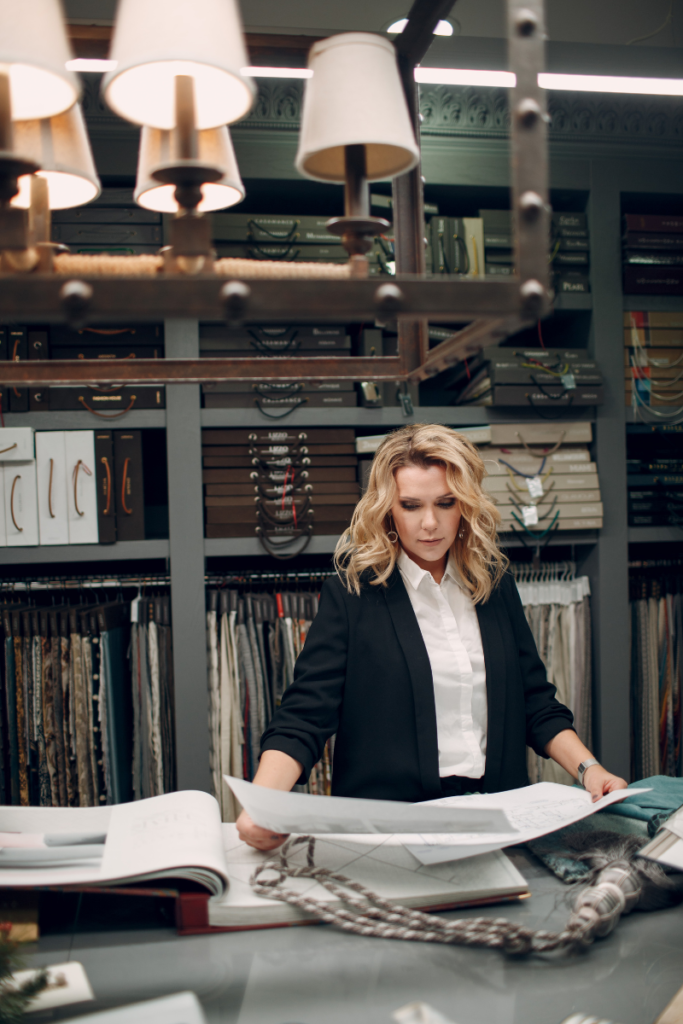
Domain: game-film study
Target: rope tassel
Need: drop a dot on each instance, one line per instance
(617, 889)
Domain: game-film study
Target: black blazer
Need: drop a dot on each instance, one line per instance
(364, 674)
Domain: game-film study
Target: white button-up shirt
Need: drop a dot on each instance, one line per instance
(450, 629)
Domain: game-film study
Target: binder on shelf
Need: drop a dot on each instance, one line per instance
(21, 504)
(81, 486)
(3, 524)
(38, 344)
(106, 486)
(128, 474)
(16, 444)
(17, 352)
(141, 334)
(107, 400)
(53, 511)
(38, 399)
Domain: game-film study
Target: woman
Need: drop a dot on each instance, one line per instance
(420, 658)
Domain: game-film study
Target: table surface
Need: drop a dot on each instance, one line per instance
(319, 975)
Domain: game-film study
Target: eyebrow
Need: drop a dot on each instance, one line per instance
(406, 497)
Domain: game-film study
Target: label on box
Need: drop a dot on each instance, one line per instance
(568, 381)
(535, 486)
(529, 515)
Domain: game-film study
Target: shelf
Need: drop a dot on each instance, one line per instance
(654, 303)
(581, 300)
(227, 547)
(655, 534)
(67, 553)
(558, 539)
(133, 420)
(379, 418)
(217, 547)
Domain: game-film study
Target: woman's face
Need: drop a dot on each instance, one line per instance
(426, 514)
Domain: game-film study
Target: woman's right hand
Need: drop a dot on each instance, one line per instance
(259, 838)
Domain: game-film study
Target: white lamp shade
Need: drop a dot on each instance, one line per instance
(155, 40)
(60, 146)
(355, 97)
(214, 148)
(34, 49)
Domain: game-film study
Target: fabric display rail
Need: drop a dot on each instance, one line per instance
(557, 607)
(256, 628)
(656, 667)
(86, 692)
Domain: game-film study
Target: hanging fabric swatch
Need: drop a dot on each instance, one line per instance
(656, 591)
(253, 641)
(86, 700)
(557, 608)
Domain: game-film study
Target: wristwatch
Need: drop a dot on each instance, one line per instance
(583, 768)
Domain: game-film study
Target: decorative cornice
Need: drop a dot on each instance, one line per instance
(467, 112)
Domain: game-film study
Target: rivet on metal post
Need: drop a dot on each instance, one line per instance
(532, 294)
(234, 298)
(526, 22)
(528, 113)
(388, 298)
(531, 206)
(76, 297)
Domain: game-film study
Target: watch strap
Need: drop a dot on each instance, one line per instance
(584, 766)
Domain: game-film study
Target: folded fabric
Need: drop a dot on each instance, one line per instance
(559, 850)
(665, 797)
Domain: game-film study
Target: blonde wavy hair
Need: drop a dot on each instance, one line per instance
(366, 546)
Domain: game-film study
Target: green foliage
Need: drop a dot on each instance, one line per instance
(13, 1002)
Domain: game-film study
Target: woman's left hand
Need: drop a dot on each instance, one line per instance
(600, 782)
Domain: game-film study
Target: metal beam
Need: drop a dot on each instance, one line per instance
(418, 34)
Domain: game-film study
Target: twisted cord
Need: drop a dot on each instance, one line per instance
(597, 909)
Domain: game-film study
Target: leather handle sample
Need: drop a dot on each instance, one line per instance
(11, 505)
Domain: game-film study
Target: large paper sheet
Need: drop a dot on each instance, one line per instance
(534, 811)
(323, 815)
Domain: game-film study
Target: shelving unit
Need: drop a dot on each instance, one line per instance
(465, 163)
(124, 551)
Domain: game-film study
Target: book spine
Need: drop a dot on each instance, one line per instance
(106, 486)
(653, 223)
(129, 476)
(21, 504)
(53, 515)
(17, 351)
(81, 486)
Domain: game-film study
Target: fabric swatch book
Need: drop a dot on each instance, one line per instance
(178, 838)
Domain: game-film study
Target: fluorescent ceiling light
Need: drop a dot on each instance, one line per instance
(460, 76)
(443, 28)
(277, 72)
(507, 80)
(613, 83)
(88, 64)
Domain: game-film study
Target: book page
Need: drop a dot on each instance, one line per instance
(381, 862)
(533, 810)
(175, 835)
(301, 812)
(164, 833)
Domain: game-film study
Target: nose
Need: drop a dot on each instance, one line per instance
(429, 520)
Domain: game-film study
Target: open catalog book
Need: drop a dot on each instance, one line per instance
(179, 838)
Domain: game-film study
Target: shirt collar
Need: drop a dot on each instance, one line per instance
(414, 575)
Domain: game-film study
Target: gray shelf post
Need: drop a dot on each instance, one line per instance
(186, 519)
(607, 564)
